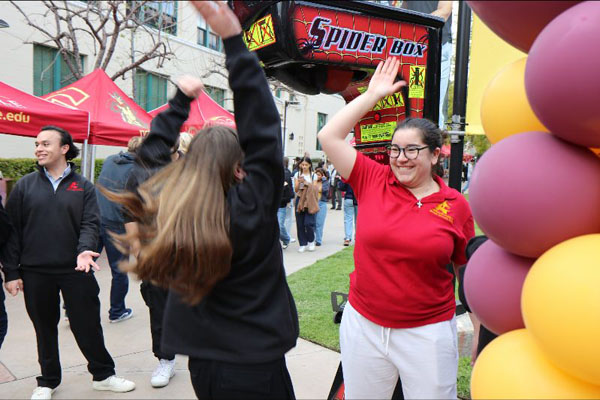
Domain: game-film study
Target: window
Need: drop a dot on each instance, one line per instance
(321, 121)
(292, 97)
(217, 94)
(150, 89)
(158, 14)
(208, 38)
(50, 71)
(278, 93)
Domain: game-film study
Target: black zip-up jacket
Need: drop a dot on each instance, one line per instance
(249, 316)
(50, 229)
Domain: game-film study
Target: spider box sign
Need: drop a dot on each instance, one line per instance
(334, 47)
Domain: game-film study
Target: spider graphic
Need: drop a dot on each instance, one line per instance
(306, 46)
(417, 77)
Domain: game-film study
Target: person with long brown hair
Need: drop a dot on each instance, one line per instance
(208, 231)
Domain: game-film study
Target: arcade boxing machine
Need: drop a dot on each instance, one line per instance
(333, 47)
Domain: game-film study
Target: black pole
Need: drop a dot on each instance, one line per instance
(459, 106)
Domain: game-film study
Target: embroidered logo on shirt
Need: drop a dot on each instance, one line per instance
(441, 210)
(73, 187)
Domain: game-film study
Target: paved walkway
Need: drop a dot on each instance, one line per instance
(312, 367)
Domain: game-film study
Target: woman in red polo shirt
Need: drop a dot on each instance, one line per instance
(399, 321)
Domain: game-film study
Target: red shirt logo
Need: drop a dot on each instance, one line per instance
(74, 187)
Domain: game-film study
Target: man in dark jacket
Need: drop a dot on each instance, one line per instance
(114, 174)
(286, 197)
(5, 231)
(54, 214)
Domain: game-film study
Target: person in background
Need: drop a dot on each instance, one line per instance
(286, 199)
(54, 213)
(399, 321)
(5, 232)
(442, 9)
(322, 183)
(305, 220)
(113, 176)
(151, 157)
(336, 195)
(469, 172)
(350, 211)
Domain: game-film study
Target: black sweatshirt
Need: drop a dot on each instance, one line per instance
(250, 316)
(155, 151)
(51, 229)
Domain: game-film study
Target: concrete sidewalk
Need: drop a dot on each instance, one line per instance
(312, 367)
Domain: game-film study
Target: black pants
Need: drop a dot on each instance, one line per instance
(305, 227)
(336, 197)
(223, 380)
(80, 293)
(156, 299)
(3, 315)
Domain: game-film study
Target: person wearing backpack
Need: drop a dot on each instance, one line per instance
(286, 197)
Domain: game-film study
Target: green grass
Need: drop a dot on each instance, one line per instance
(477, 230)
(312, 287)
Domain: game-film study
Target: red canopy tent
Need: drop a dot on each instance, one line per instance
(114, 117)
(23, 114)
(203, 111)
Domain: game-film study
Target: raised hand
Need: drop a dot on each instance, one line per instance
(382, 83)
(190, 86)
(219, 17)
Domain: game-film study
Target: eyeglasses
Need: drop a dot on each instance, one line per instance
(410, 152)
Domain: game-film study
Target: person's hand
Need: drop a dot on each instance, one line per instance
(13, 287)
(219, 17)
(85, 260)
(190, 86)
(382, 83)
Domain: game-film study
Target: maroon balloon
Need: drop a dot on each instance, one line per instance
(518, 22)
(531, 191)
(493, 283)
(565, 95)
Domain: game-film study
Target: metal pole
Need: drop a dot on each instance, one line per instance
(457, 134)
(92, 163)
(84, 157)
(284, 136)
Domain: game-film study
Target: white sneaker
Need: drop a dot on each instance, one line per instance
(292, 240)
(311, 246)
(163, 373)
(114, 384)
(301, 249)
(41, 392)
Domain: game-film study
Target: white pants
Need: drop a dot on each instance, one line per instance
(425, 358)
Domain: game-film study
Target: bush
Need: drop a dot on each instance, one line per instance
(16, 168)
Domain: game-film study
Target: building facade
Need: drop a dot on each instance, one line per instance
(33, 65)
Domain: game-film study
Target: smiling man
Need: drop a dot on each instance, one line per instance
(56, 220)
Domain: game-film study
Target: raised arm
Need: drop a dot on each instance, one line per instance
(333, 135)
(256, 116)
(156, 149)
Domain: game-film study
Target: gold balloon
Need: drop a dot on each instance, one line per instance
(505, 109)
(561, 305)
(514, 367)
